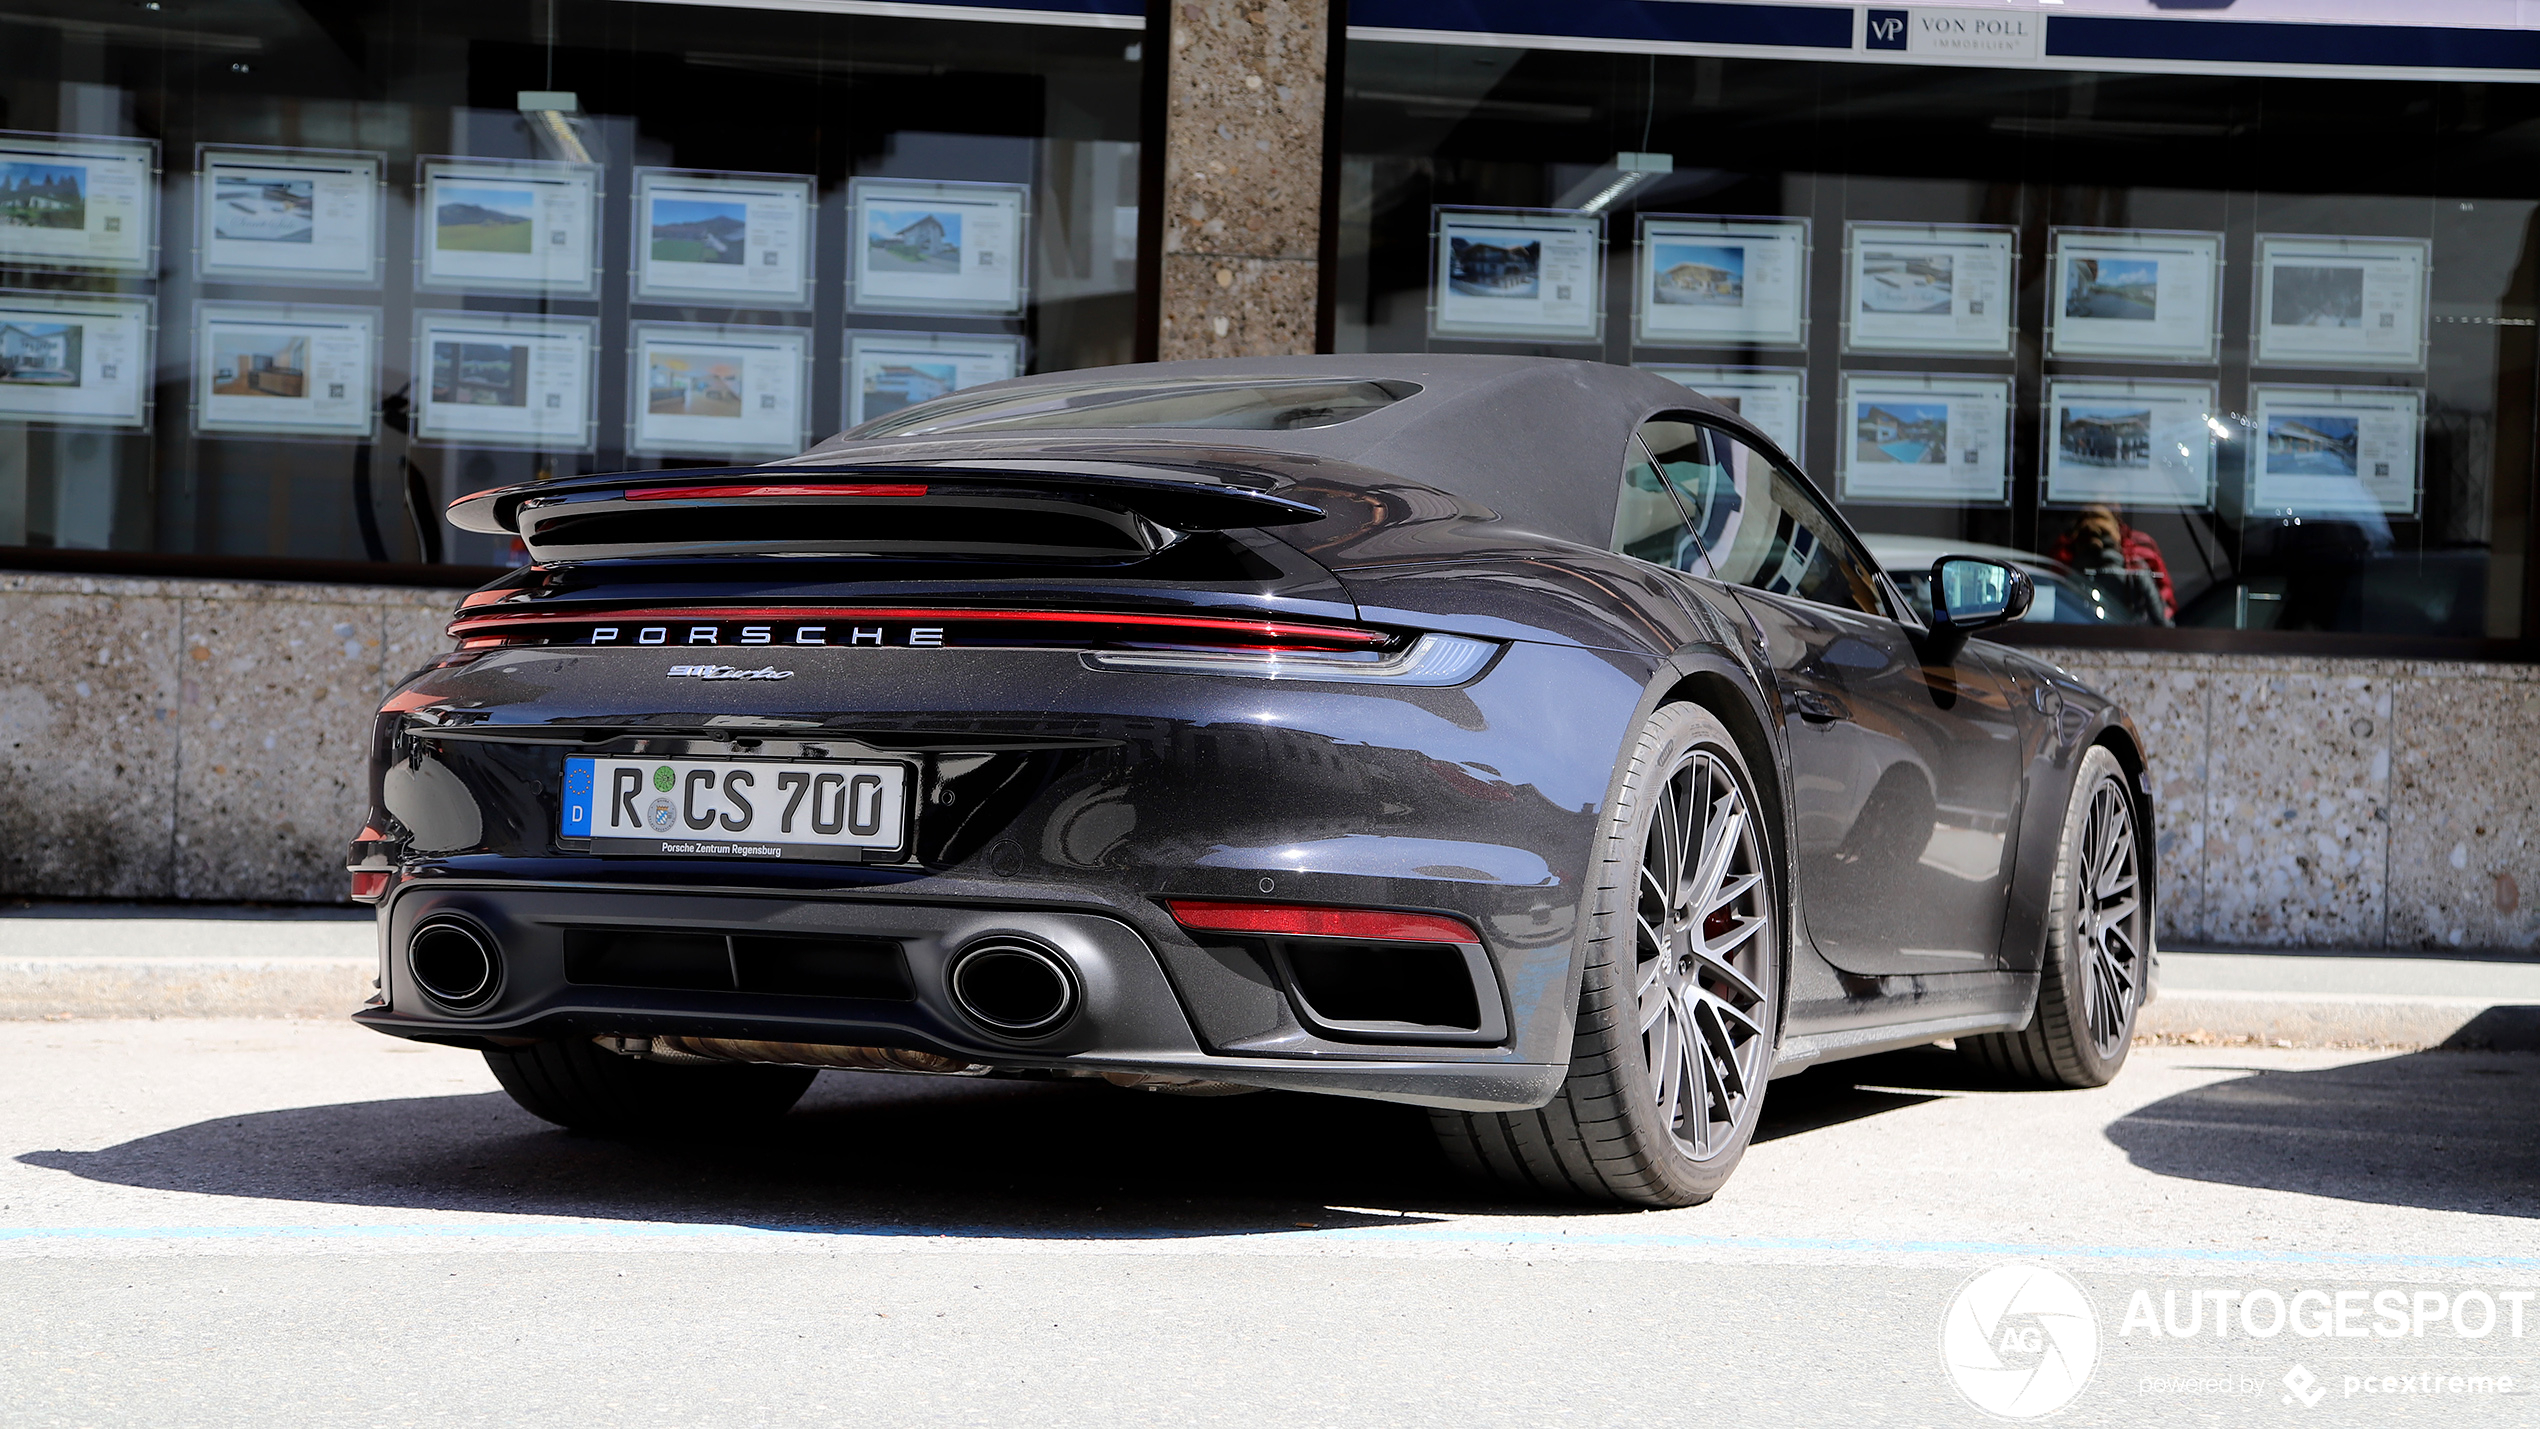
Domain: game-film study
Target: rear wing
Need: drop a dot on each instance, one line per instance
(1028, 510)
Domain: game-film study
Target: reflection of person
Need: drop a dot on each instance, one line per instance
(2102, 541)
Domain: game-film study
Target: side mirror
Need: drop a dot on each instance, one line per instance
(1970, 593)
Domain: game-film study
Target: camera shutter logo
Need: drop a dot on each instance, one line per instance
(2020, 1341)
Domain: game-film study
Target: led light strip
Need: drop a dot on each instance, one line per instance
(1236, 632)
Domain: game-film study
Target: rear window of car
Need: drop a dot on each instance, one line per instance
(1227, 404)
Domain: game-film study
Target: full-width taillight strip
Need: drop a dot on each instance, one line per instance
(1297, 920)
(707, 493)
(1209, 629)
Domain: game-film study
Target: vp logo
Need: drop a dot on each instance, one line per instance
(1885, 30)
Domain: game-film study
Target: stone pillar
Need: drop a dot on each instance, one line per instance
(1243, 177)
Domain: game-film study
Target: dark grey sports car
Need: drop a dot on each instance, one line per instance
(1527, 740)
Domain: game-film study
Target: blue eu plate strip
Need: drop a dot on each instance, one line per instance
(577, 798)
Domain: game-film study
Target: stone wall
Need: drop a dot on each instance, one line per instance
(193, 739)
(2310, 802)
(1243, 177)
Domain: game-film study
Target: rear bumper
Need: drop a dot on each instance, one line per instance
(1152, 999)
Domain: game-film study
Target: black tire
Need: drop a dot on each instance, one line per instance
(2091, 983)
(578, 1085)
(1625, 1125)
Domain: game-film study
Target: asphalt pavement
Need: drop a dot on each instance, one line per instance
(217, 1222)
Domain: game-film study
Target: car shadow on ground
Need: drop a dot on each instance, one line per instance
(2444, 1130)
(876, 1151)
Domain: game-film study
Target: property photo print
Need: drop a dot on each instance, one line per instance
(2125, 289)
(1699, 274)
(40, 195)
(477, 218)
(1912, 433)
(1494, 270)
(1911, 283)
(248, 364)
(2311, 444)
(889, 386)
(2111, 436)
(39, 354)
(252, 210)
(480, 374)
(2316, 295)
(692, 384)
(904, 240)
(687, 230)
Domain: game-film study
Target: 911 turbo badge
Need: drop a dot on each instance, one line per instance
(728, 672)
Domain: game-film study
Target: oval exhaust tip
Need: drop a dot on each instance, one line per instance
(1013, 987)
(454, 964)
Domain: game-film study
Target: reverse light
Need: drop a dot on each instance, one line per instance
(1432, 661)
(1294, 920)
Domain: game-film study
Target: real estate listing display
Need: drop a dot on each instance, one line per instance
(285, 370)
(1517, 273)
(504, 380)
(890, 370)
(2341, 302)
(1929, 287)
(937, 247)
(740, 239)
(292, 216)
(715, 391)
(77, 360)
(71, 201)
(2130, 442)
(2331, 450)
(1775, 399)
(507, 226)
(2135, 295)
(1926, 439)
(1721, 281)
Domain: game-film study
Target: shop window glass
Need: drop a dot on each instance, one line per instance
(2211, 351)
(280, 281)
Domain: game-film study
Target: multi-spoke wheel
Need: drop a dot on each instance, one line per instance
(2092, 980)
(1678, 999)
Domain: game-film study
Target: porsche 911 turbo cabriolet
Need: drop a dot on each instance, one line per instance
(1526, 740)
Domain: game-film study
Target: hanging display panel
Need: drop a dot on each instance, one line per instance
(1721, 282)
(744, 240)
(1929, 287)
(937, 247)
(2327, 450)
(2129, 443)
(287, 216)
(73, 201)
(508, 226)
(75, 359)
(2341, 302)
(285, 370)
(1913, 438)
(718, 391)
(2134, 295)
(890, 370)
(1775, 399)
(504, 380)
(1512, 273)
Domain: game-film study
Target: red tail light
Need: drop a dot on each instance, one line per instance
(794, 626)
(1372, 925)
(715, 493)
(369, 884)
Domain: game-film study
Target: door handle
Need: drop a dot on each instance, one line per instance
(1817, 707)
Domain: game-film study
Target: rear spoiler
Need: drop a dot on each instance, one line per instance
(1053, 512)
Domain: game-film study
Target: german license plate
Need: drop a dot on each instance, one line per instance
(736, 808)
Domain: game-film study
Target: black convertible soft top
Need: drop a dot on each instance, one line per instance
(1538, 440)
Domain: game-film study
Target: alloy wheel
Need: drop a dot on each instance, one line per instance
(2107, 931)
(1703, 945)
